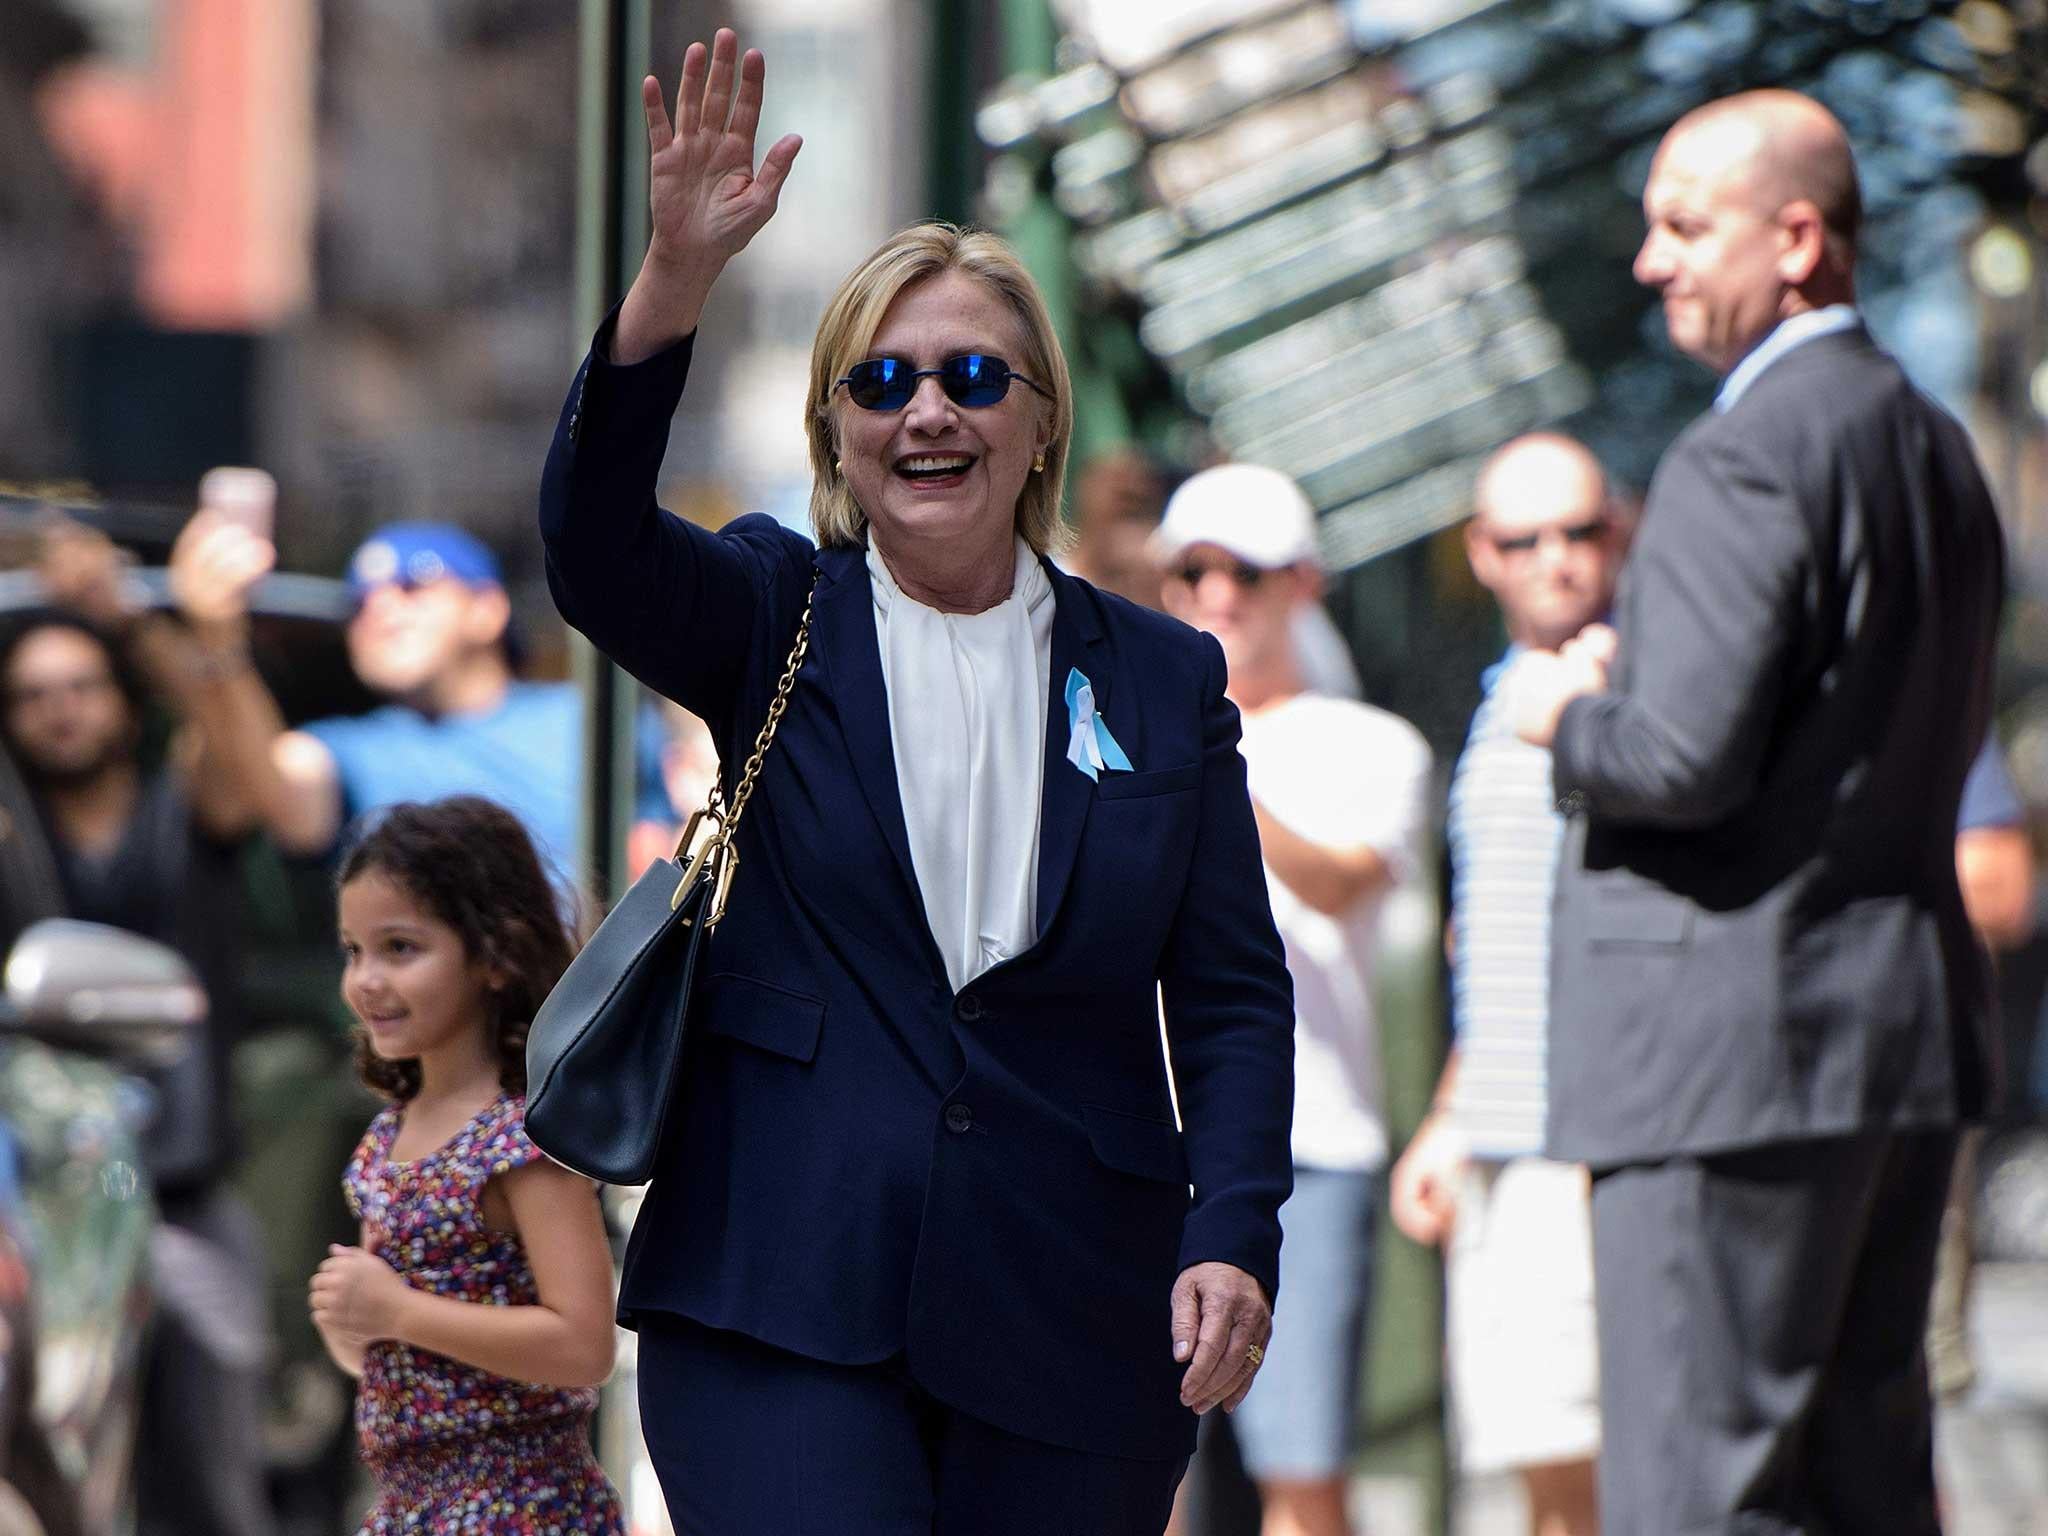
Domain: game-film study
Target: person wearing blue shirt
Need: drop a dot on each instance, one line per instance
(1995, 854)
(432, 634)
(1995, 868)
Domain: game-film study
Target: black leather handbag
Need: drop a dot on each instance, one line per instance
(606, 1048)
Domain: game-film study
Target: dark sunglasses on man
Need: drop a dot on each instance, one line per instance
(1246, 575)
(973, 380)
(1588, 532)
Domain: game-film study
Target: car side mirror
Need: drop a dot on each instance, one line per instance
(87, 987)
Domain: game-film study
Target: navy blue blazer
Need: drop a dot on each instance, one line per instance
(860, 1163)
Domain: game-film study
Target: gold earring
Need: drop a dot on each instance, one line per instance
(1038, 465)
(838, 469)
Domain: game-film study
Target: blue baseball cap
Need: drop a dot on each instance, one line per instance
(416, 554)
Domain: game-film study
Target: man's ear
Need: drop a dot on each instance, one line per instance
(489, 612)
(1805, 242)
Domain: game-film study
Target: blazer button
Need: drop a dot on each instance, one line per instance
(959, 1118)
(968, 1008)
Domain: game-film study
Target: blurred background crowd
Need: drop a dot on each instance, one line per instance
(359, 243)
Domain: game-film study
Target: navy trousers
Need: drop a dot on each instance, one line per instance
(749, 1439)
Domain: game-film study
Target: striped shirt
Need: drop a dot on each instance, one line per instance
(1504, 831)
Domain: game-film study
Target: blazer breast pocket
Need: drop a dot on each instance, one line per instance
(760, 1014)
(1137, 1145)
(1640, 919)
(1138, 786)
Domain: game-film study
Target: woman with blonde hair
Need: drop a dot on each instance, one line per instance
(925, 1249)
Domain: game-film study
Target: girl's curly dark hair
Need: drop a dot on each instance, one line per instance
(469, 862)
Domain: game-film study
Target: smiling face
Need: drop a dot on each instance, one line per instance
(1720, 256)
(407, 976)
(934, 473)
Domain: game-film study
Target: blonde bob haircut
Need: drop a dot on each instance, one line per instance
(906, 258)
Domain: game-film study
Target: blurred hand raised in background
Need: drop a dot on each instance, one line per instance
(705, 197)
(85, 571)
(214, 564)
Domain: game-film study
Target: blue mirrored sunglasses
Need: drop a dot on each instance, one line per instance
(973, 380)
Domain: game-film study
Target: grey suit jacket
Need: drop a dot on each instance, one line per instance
(1758, 936)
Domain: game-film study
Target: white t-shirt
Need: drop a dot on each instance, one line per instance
(1344, 775)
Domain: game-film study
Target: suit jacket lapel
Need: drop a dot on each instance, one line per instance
(1068, 792)
(853, 666)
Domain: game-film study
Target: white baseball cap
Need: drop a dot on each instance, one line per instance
(1258, 514)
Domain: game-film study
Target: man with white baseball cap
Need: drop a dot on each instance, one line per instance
(1340, 792)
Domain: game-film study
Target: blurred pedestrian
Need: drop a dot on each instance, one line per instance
(1118, 499)
(1340, 793)
(432, 634)
(927, 1115)
(155, 850)
(1516, 1227)
(1995, 868)
(1995, 854)
(689, 767)
(28, 872)
(1768, 1012)
(476, 1310)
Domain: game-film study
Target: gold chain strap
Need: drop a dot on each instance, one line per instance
(718, 854)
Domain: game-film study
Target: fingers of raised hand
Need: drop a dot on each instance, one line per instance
(746, 112)
(718, 90)
(659, 134)
(214, 566)
(775, 167)
(690, 94)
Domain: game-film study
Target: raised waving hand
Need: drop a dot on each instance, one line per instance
(705, 196)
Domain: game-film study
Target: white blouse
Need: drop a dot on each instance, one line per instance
(967, 711)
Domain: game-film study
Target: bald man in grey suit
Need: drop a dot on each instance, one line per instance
(1768, 1012)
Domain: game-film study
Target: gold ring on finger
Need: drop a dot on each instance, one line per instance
(1255, 1355)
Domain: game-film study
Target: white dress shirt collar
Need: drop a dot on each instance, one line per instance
(1791, 333)
(967, 719)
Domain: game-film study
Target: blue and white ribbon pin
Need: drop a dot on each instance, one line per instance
(1090, 747)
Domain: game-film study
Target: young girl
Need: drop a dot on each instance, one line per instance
(478, 1309)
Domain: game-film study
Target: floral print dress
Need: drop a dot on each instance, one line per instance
(458, 1451)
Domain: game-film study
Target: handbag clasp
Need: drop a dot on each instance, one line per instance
(722, 859)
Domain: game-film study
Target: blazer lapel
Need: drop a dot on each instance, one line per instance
(1068, 792)
(853, 666)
